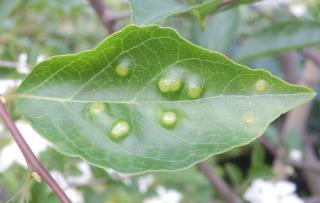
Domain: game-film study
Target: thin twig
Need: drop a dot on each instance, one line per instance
(296, 122)
(114, 16)
(312, 56)
(278, 154)
(288, 66)
(218, 184)
(227, 3)
(31, 159)
(4, 195)
(107, 17)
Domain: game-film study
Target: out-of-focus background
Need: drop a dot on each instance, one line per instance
(283, 166)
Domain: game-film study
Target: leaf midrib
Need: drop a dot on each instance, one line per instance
(67, 100)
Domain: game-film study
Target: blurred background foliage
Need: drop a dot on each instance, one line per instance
(257, 34)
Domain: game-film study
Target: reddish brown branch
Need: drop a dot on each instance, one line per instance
(218, 184)
(288, 66)
(31, 159)
(226, 3)
(107, 17)
(278, 154)
(313, 56)
(296, 122)
(229, 3)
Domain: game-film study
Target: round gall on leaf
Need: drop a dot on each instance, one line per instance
(120, 130)
(194, 89)
(122, 70)
(169, 119)
(261, 85)
(97, 108)
(175, 85)
(248, 118)
(169, 85)
(164, 85)
(194, 92)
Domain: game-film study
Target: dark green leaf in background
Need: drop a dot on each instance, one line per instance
(258, 167)
(216, 37)
(150, 11)
(279, 38)
(202, 11)
(8, 73)
(6, 7)
(146, 99)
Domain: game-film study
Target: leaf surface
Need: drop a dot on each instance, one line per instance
(145, 99)
(279, 38)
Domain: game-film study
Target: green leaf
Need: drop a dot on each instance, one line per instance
(258, 167)
(216, 37)
(10, 73)
(6, 72)
(279, 38)
(146, 99)
(6, 7)
(258, 155)
(150, 11)
(202, 11)
(235, 174)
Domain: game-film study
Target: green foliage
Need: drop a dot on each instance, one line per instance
(8, 73)
(216, 37)
(202, 105)
(39, 193)
(235, 174)
(279, 38)
(258, 167)
(6, 7)
(60, 99)
(28, 30)
(149, 11)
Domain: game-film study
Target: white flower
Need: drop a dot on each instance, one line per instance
(85, 176)
(41, 58)
(298, 10)
(58, 177)
(264, 191)
(144, 182)
(11, 153)
(74, 195)
(291, 199)
(165, 196)
(119, 176)
(1, 128)
(34, 140)
(7, 84)
(22, 66)
(284, 188)
(295, 155)
(268, 5)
